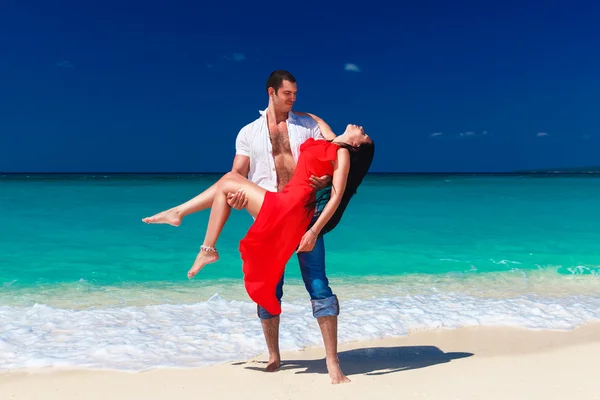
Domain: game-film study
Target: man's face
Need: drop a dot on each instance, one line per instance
(285, 97)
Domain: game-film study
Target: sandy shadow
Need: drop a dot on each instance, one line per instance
(373, 360)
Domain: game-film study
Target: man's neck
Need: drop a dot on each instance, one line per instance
(274, 116)
(280, 116)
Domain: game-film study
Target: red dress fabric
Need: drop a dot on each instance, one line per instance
(282, 221)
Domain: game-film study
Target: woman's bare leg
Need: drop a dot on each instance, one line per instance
(173, 216)
(220, 211)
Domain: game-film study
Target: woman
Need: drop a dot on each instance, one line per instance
(282, 218)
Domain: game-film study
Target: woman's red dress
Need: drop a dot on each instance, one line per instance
(282, 221)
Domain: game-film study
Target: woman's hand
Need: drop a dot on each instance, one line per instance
(308, 242)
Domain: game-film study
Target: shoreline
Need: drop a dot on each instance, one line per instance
(480, 362)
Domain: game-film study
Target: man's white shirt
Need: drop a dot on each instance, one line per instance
(253, 141)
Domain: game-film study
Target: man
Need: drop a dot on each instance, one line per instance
(266, 153)
(267, 150)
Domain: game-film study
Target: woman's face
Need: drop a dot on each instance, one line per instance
(356, 135)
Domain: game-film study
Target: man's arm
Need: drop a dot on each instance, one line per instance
(241, 165)
(241, 162)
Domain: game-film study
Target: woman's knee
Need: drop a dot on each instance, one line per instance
(229, 182)
(231, 177)
(228, 177)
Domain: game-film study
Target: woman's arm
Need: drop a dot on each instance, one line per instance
(340, 177)
(338, 183)
(324, 127)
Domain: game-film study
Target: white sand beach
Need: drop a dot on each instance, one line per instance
(467, 363)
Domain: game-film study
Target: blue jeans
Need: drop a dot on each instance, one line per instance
(312, 266)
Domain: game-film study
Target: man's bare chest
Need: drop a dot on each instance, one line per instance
(280, 142)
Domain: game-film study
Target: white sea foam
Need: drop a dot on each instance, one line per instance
(190, 335)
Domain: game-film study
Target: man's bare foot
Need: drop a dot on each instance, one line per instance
(273, 364)
(335, 372)
(203, 258)
(170, 216)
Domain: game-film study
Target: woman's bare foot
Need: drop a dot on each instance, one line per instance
(203, 258)
(335, 372)
(171, 216)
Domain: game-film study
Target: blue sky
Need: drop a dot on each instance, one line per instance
(149, 86)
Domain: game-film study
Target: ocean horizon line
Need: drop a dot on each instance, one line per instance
(504, 173)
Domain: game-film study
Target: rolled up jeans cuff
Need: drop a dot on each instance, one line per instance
(264, 314)
(327, 307)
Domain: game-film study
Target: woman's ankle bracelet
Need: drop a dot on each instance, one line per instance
(208, 249)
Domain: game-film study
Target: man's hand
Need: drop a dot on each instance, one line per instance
(308, 242)
(320, 183)
(237, 200)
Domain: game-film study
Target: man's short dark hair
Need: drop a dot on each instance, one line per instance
(277, 77)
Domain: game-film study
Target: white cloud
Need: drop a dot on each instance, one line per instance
(541, 134)
(467, 135)
(64, 64)
(473, 134)
(351, 67)
(225, 59)
(237, 57)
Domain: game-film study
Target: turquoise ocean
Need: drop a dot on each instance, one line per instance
(85, 283)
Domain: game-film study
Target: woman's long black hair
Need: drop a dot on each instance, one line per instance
(361, 158)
